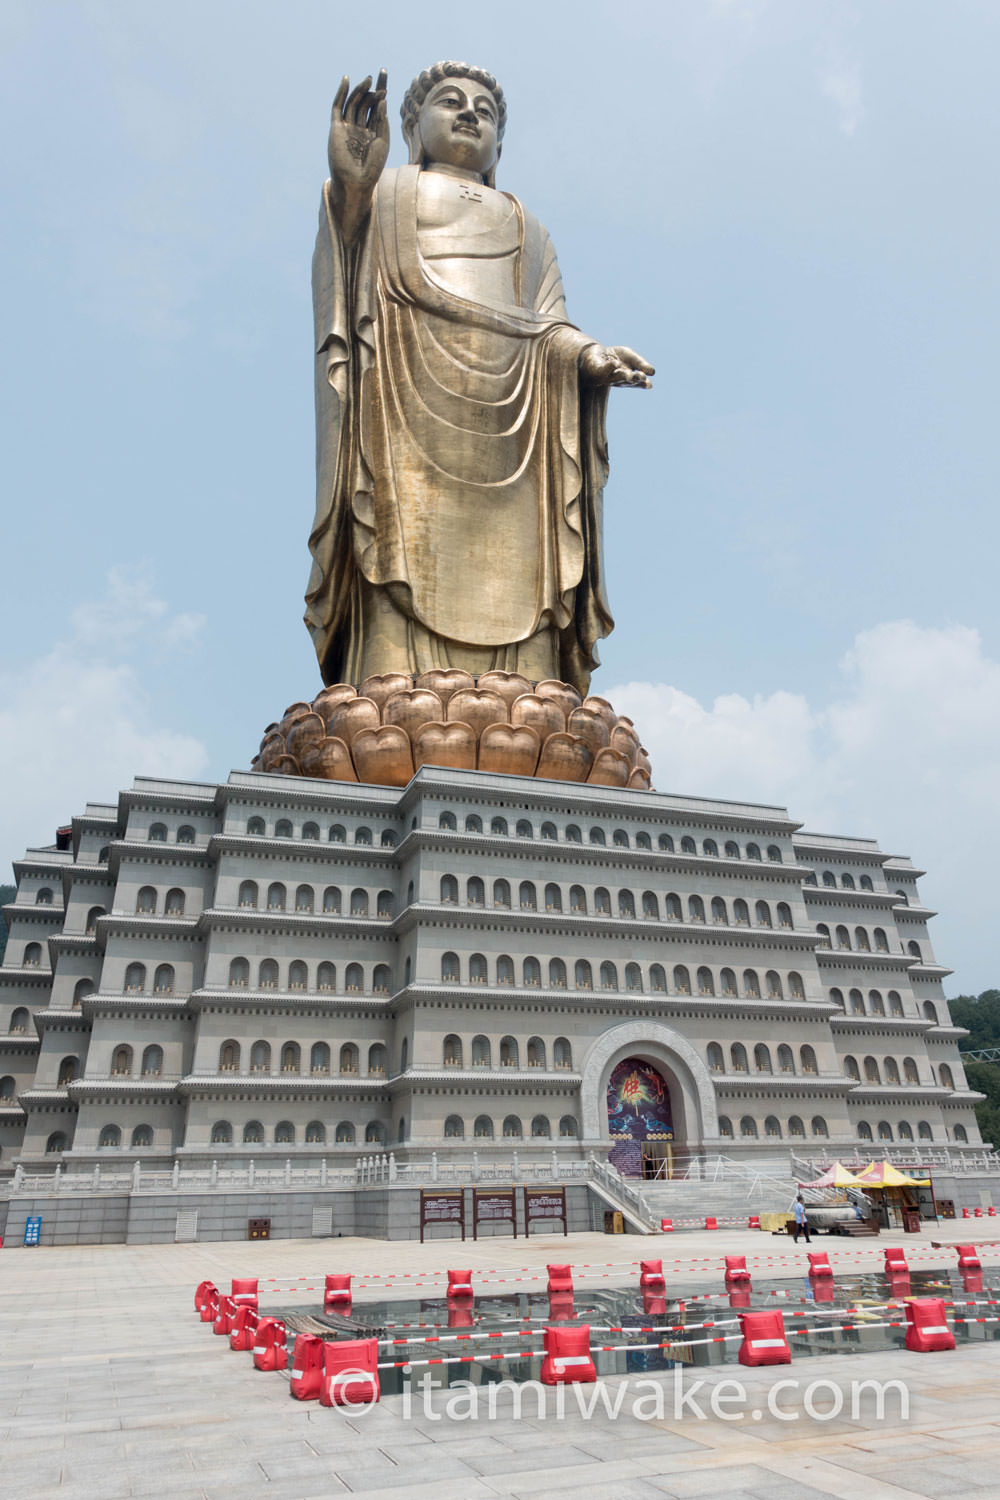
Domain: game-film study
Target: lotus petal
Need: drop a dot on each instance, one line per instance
(603, 707)
(308, 730)
(642, 761)
(297, 711)
(271, 747)
(348, 719)
(509, 685)
(383, 755)
(330, 760)
(444, 681)
(639, 780)
(543, 714)
(325, 702)
(510, 749)
(478, 708)
(564, 757)
(449, 745)
(562, 693)
(625, 740)
(285, 765)
(610, 768)
(590, 727)
(382, 687)
(411, 709)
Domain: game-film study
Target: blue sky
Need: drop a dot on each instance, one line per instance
(789, 208)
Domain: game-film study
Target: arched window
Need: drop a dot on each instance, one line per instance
(784, 914)
(477, 969)
(276, 896)
(498, 826)
(135, 977)
(354, 979)
(359, 903)
(229, 1057)
(152, 1061)
(326, 976)
(738, 1057)
(578, 900)
(583, 975)
(535, 1055)
(222, 1133)
(569, 1130)
(505, 969)
(716, 1061)
(284, 1133)
(524, 829)
(67, 1072)
(961, 1134)
(682, 980)
(163, 979)
(762, 1058)
(786, 1059)
(688, 845)
(501, 893)
(452, 1051)
(449, 968)
(796, 988)
(363, 836)
(823, 933)
(666, 843)
(857, 1003)
(158, 833)
(945, 1076)
(861, 940)
(751, 984)
(837, 997)
(142, 1135)
(573, 835)
(43, 897)
(924, 1132)
(331, 901)
(548, 830)
(711, 848)
(763, 914)
(239, 974)
(910, 1073)
(185, 834)
(807, 1059)
(562, 1053)
(337, 834)
(633, 978)
(388, 839)
(553, 898)
(895, 1003)
(829, 878)
(267, 978)
(310, 831)
(843, 937)
(304, 898)
(374, 1133)
(650, 906)
(381, 979)
(483, 1128)
(706, 984)
(454, 1129)
(260, 1057)
(597, 836)
(90, 926)
(851, 1070)
(696, 909)
(818, 1127)
(255, 828)
(864, 1131)
(772, 982)
(532, 972)
(291, 1058)
(741, 913)
(881, 945)
(145, 902)
(319, 1058)
(174, 904)
(482, 1054)
(643, 840)
(620, 838)
(449, 890)
(732, 849)
(905, 1129)
(540, 1128)
(345, 1134)
(727, 980)
(315, 1133)
(719, 913)
(609, 976)
(475, 892)
(726, 1127)
(557, 974)
(753, 852)
(876, 1003)
(847, 882)
(771, 1126)
(110, 1136)
(891, 1070)
(774, 854)
(930, 1011)
(376, 1060)
(448, 821)
(602, 902)
(509, 1054)
(657, 979)
(866, 885)
(512, 1128)
(526, 896)
(810, 879)
(795, 1126)
(748, 1127)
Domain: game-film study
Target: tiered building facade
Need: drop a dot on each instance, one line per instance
(291, 968)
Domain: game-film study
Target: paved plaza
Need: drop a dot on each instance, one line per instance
(111, 1387)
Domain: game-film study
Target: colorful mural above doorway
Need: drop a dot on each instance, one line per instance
(638, 1111)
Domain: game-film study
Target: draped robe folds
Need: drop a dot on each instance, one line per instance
(460, 465)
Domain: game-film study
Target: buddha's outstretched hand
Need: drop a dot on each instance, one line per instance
(614, 366)
(359, 145)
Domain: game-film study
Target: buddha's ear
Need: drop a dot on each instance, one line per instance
(415, 144)
(491, 177)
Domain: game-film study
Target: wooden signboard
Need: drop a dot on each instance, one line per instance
(544, 1206)
(444, 1207)
(492, 1206)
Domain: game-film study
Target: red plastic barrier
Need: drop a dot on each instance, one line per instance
(764, 1341)
(350, 1373)
(968, 1260)
(244, 1291)
(654, 1304)
(210, 1307)
(966, 1214)
(991, 1213)
(560, 1306)
(651, 1275)
(754, 1221)
(972, 1281)
(337, 1294)
(978, 1213)
(307, 1367)
(666, 1226)
(927, 1328)
(895, 1263)
(243, 1333)
(819, 1264)
(568, 1360)
(202, 1293)
(270, 1350)
(736, 1270)
(224, 1317)
(823, 1289)
(560, 1279)
(711, 1224)
(460, 1312)
(459, 1283)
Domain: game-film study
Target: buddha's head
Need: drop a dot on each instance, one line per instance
(454, 115)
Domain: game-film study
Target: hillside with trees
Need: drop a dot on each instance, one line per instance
(981, 1014)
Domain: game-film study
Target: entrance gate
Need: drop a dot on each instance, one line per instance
(639, 1120)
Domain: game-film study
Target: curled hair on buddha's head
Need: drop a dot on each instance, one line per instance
(425, 81)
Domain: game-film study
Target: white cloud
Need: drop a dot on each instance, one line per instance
(906, 750)
(840, 81)
(77, 724)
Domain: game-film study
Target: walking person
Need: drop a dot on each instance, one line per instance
(801, 1222)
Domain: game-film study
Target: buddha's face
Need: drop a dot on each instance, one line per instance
(458, 126)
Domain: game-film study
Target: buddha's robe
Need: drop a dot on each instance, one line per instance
(460, 466)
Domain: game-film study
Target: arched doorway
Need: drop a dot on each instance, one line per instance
(640, 1121)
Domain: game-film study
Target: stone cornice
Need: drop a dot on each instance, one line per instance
(298, 849)
(853, 958)
(574, 924)
(51, 1019)
(544, 1077)
(73, 942)
(782, 1083)
(147, 852)
(12, 1114)
(18, 1044)
(146, 924)
(250, 918)
(282, 1084)
(101, 1004)
(16, 911)
(287, 1001)
(835, 896)
(910, 1093)
(114, 1088)
(844, 1023)
(614, 1002)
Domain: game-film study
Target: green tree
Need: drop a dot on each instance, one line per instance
(981, 1014)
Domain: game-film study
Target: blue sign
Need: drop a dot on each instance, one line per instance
(32, 1229)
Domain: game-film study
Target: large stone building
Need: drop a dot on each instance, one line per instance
(281, 967)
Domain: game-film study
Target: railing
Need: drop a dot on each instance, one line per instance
(939, 1158)
(621, 1189)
